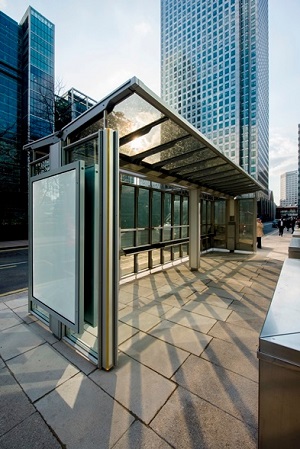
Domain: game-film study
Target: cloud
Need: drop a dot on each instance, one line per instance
(283, 155)
(3, 5)
(143, 28)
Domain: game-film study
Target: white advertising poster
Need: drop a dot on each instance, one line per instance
(55, 221)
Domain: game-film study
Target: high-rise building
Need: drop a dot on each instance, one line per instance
(289, 188)
(214, 71)
(26, 107)
(298, 212)
(70, 105)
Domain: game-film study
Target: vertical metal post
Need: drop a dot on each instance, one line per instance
(108, 248)
(194, 247)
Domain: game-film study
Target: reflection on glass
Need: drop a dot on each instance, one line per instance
(127, 207)
(220, 224)
(127, 265)
(54, 244)
(132, 114)
(86, 151)
(246, 221)
(156, 209)
(156, 260)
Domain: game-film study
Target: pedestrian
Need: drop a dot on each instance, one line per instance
(293, 221)
(259, 231)
(280, 226)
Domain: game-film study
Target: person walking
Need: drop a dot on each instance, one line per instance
(293, 221)
(280, 226)
(259, 231)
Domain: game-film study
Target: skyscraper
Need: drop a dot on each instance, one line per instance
(289, 188)
(26, 107)
(214, 71)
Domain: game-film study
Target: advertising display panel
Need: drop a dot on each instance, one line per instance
(57, 243)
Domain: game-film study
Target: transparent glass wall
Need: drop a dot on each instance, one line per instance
(88, 151)
(220, 224)
(245, 231)
(152, 221)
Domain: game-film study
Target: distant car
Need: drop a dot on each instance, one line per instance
(274, 224)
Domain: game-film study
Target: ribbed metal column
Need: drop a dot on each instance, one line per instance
(108, 248)
(194, 247)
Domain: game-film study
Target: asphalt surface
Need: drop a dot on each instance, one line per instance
(13, 270)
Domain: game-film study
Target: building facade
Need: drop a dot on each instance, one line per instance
(289, 188)
(214, 71)
(69, 106)
(26, 108)
(298, 171)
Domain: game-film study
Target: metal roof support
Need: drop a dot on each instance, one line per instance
(194, 247)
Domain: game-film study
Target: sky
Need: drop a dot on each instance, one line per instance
(101, 44)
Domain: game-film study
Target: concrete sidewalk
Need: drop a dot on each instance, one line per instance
(187, 375)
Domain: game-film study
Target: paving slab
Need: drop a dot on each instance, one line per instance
(138, 436)
(138, 319)
(3, 306)
(14, 404)
(210, 310)
(17, 340)
(154, 353)
(210, 298)
(224, 292)
(191, 320)
(40, 370)
(75, 357)
(187, 421)
(258, 301)
(230, 392)
(233, 357)
(17, 302)
(125, 331)
(136, 387)
(245, 307)
(8, 319)
(182, 337)
(83, 416)
(236, 335)
(40, 329)
(32, 433)
(246, 321)
(23, 313)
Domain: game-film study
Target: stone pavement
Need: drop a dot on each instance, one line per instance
(187, 375)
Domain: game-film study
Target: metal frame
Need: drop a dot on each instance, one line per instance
(78, 166)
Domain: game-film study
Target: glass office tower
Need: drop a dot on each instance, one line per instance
(214, 71)
(26, 109)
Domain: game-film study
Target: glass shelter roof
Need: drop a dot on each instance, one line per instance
(157, 142)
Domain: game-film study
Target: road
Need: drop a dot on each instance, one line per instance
(14, 267)
(13, 270)
(268, 228)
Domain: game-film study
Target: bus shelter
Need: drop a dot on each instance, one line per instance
(127, 187)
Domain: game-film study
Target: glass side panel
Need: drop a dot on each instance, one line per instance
(127, 238)
(245, 224)
(143, 208)
(143, 261)
(220, 224)
(127, 213)
(86, 151)
(156, 209)
(167, 255)
(177, 210)
(127, 265)
(156, 259)
(185, 210)
(85, 132)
